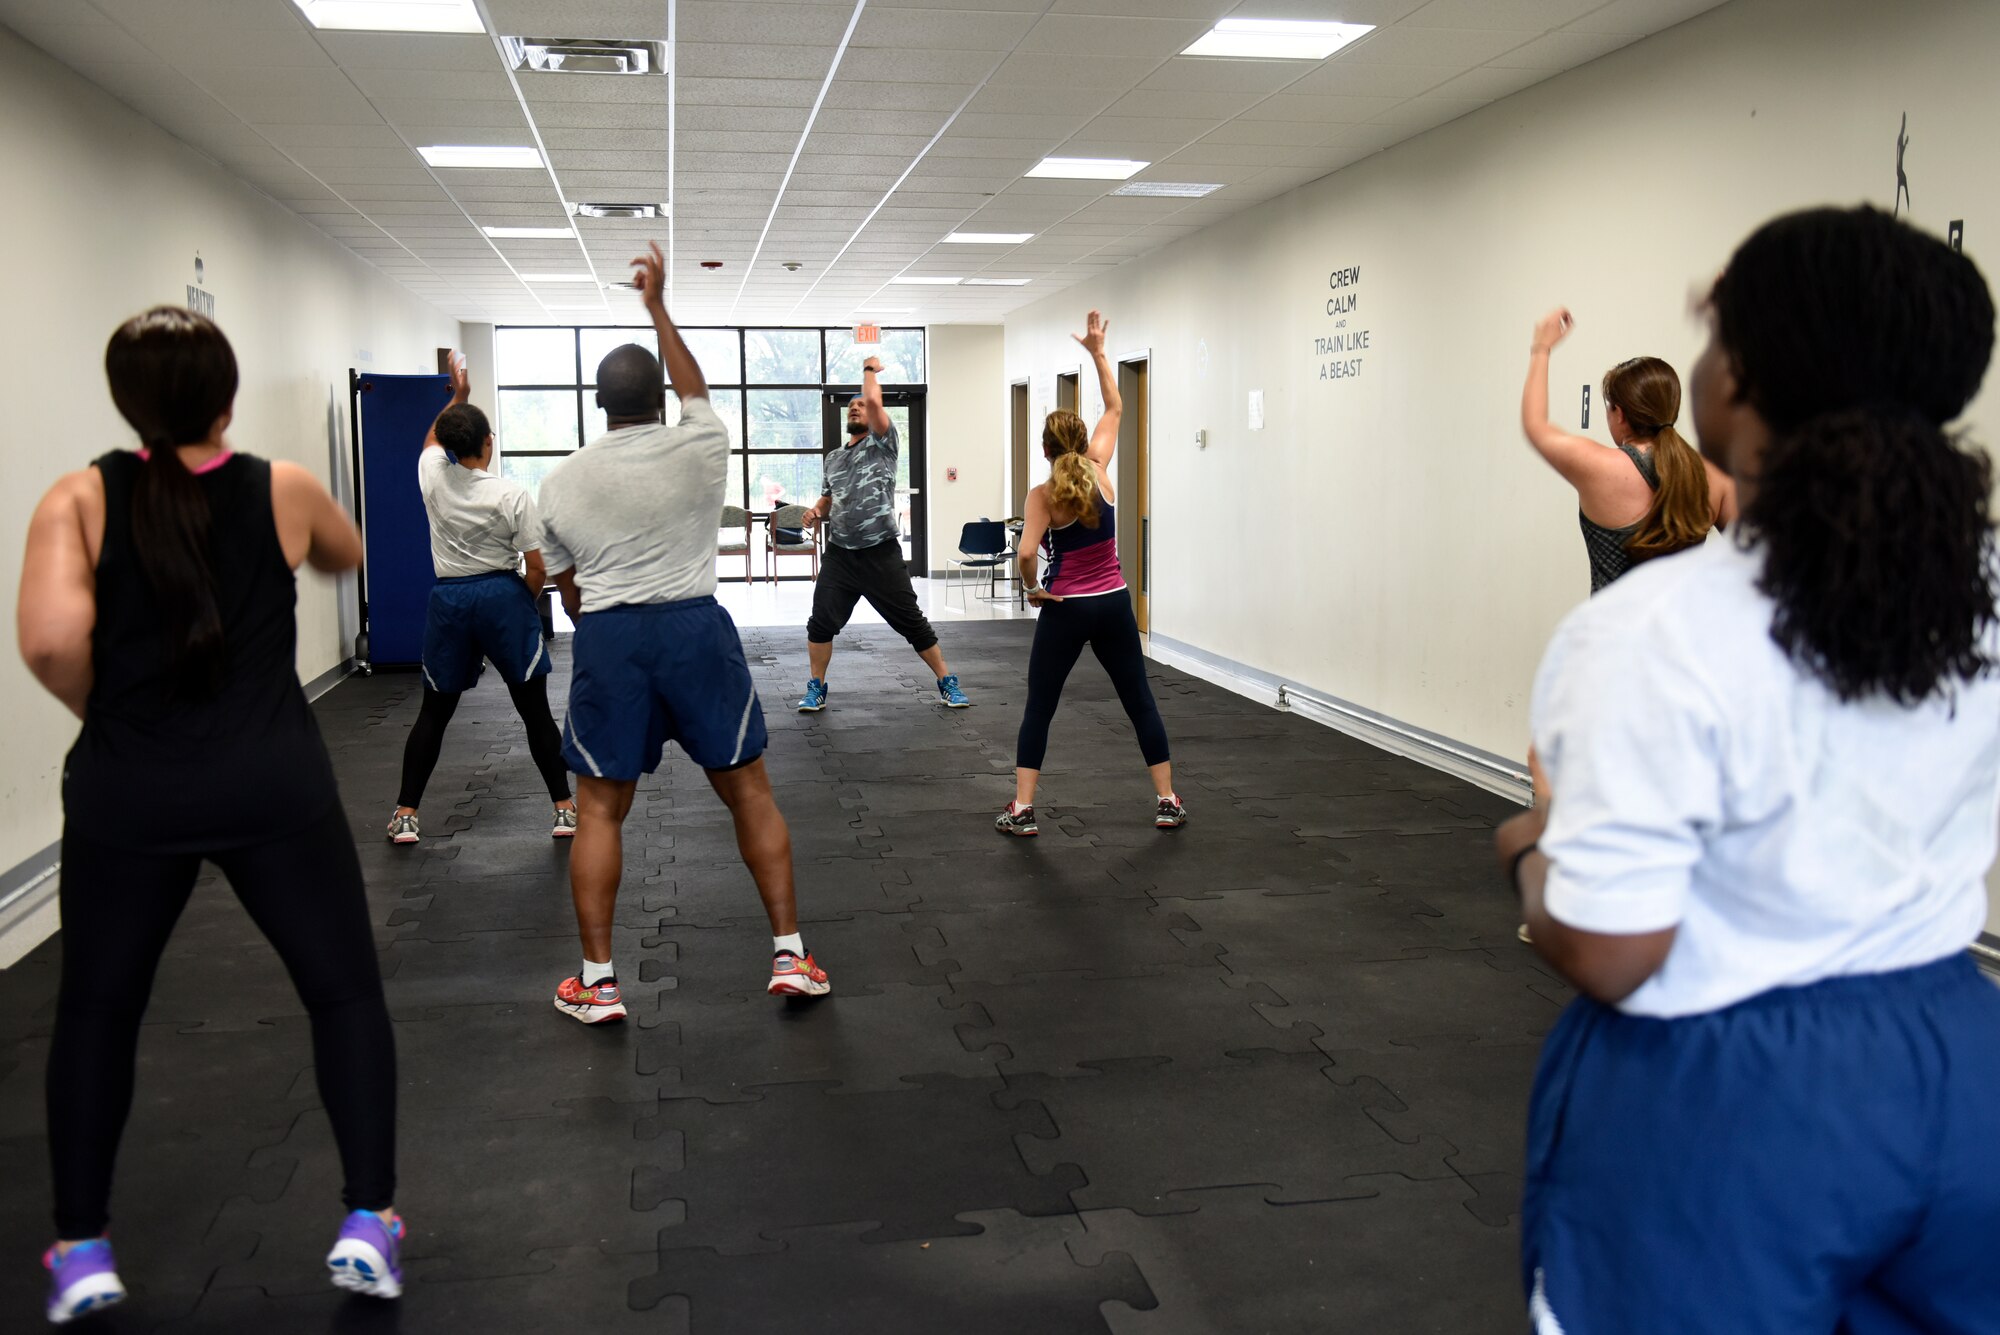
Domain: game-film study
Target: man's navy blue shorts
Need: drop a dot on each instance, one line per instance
(482, 616)
(661, 672)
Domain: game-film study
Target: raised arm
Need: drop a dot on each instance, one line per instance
(683, 371)
(461, 390)
(1034, 523)
(57, 608)
(1103, 436)
(871, 397)
(1577, 458)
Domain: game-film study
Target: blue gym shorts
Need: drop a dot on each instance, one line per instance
(647, 675)
(482, 616)
(1815, 1159)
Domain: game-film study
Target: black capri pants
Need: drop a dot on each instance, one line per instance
(879, 574)
(1105, 622)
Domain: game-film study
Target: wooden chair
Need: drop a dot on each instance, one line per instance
(789, 517)
(736, 517)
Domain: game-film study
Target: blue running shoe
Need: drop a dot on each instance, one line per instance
(815, 696)
(365, 1257)
(83, 1280)
(949, 693)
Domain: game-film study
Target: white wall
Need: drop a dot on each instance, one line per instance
(107, 213)
(1390, 539)
(967, 431)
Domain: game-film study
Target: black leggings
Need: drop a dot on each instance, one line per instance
(880, 575)
(531, 702)
(1105, 623)
(118, 909)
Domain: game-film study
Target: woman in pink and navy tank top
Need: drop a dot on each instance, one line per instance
(1072, 522)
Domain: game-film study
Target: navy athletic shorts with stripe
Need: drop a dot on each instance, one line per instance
(657, 673)
(1816, 1158)
(482, 616)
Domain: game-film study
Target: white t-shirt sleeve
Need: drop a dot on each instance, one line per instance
(1631, 741)
(556, 558)
(527, 522)
(432, 461)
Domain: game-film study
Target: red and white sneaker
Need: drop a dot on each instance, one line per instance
(595, 1004)
(1169, 814)
(795, 977)
(565, 826)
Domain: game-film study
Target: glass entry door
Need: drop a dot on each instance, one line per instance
(906, 410)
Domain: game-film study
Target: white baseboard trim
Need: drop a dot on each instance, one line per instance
(1496, 774)
(329, 679)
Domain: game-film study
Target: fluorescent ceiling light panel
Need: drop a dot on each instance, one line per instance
(997, 282)
(1088, 169)
(989, 238)
(1277, 39)
(555, 278)
(479, 155)
(392, 15)
(934, 282)
(1168, 189)
(529, 233)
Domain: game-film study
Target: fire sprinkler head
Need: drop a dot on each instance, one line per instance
(791, 266)
(711, 264)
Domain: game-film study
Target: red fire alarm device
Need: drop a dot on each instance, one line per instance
(868, 333)
(951, 475)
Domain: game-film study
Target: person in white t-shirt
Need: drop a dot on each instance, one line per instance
(485, 532)
(1770, 772)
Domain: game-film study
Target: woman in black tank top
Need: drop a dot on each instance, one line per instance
(157, 599)
(1652, 496)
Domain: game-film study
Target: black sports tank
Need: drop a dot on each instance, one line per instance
(1606, 546)
(155, 770)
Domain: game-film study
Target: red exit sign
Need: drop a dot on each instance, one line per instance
(868, 333)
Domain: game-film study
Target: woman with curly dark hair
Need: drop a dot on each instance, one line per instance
(1772, 1106)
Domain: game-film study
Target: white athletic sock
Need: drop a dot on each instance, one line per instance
(1015, 808)
(794, 943)
(595, 973)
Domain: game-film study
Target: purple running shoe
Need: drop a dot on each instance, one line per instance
(364, 1256)
(82, 1281)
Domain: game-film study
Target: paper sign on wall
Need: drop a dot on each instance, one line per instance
(1256, 410)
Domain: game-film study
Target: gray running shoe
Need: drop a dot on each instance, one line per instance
(1020, 823)
(1169, 814)
(565, 824)
(403, 829)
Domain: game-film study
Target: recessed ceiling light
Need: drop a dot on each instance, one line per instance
(527, 233)
(479, 155)
(936, 282)
(1277, 39)
(989, 238)
(555, 278)
(392, 15)
(1168, 189)
(997, 282)
(1088, 169)
(569, 55)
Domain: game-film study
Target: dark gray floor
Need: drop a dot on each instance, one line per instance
(1267, 1073)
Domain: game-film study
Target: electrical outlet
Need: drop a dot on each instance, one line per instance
(1954, 235)
(1586, 407)
(1201, 440)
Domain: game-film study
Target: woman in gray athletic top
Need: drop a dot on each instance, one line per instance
(1651, 496)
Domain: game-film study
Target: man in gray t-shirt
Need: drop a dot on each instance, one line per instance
(864, 548)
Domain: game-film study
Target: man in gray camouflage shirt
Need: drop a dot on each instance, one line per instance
(864, 548)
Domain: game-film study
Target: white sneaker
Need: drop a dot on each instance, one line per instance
(403, 829)
(565, 824)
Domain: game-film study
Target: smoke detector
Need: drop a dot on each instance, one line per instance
(619, 210)
(572, 55)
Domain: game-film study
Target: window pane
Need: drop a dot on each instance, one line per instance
(537, 419)
(784, 479)
(719, 355)
(901, 351)
(728, 405)
(782, 356)
(529, 469)
(786, 419)
(536, 356)
(598, 342)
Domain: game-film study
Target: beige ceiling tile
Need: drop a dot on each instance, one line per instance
(326, 158)
(1162, 102)
(696, 91)
(1045, 69)
(296, 137)
(1490, 83)
(1096, 35)
(1459, 48)
(1324, 108)
(416, 52)
(862, 87)
(933, 30)
(1042, 100)
(1206, 154)
(1285, 134)
(901, 147)
(1204, 74)
(1563, 50)
(1641, 16)
(1345, 79)
(1520, 15)
(78, 44)
(752, 60)
(349, 108)
(214, 16)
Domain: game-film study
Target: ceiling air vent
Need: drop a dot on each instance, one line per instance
(573, 55)
(619, 210)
